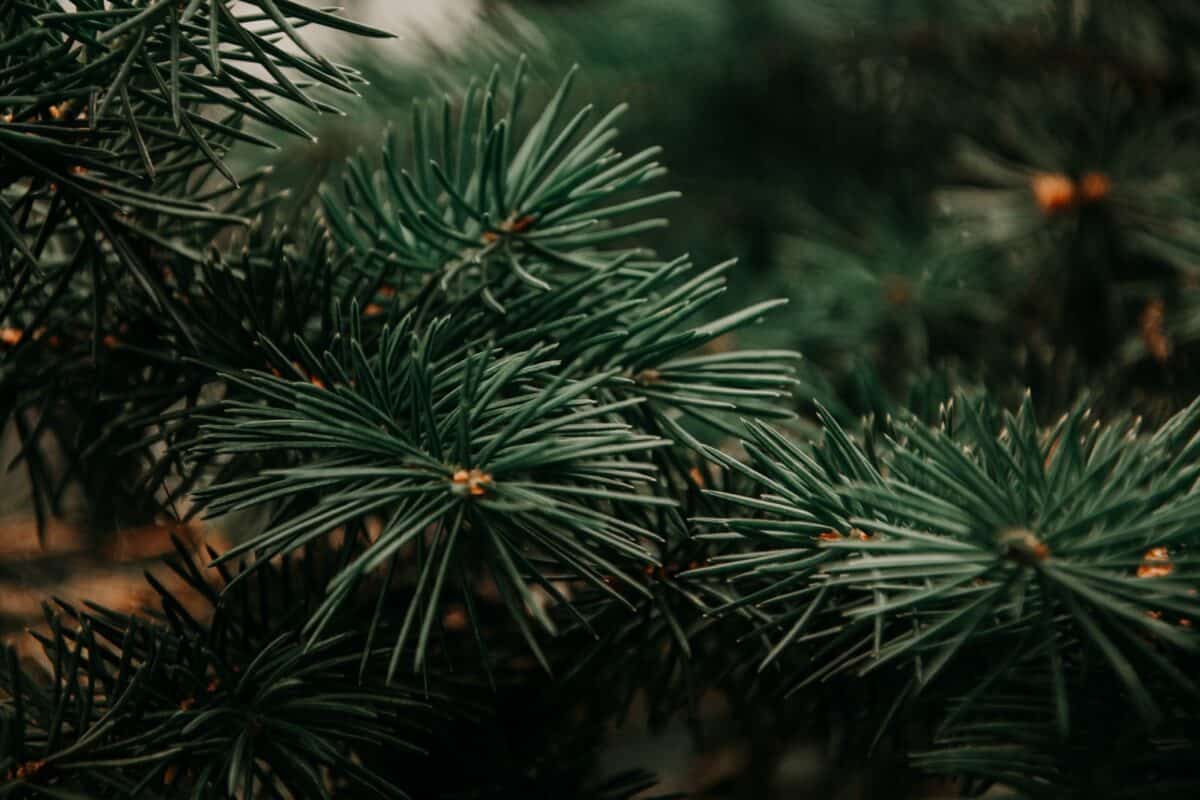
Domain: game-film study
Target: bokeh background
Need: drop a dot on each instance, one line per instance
(890, 168)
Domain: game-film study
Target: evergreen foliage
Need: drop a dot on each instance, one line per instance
(1010, 565)
(476, 441)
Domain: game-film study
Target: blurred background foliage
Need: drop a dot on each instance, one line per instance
(949, 192)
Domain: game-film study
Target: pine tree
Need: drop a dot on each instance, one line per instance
(493, 473)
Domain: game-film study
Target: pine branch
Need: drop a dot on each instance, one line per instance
(233, 704)
(490, 453)
(479, 201)
(1068, 548)
(114, 122)
(100, 102)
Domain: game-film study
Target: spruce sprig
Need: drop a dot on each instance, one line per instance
(493, 453)
(221, 698)
(478, 201)
(982, 539)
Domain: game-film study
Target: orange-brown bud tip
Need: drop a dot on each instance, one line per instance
(1053, 191)
(1156, 563)
(1094, 186)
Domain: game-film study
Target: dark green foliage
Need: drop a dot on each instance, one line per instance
(479, 199)
(475, 437)
(495, 453)
(115, 119)
(517, 228)
(1009, 738)
(516, 411)
(922, 125)
(112, 111)
(463, 431)
(890, 297)
(238, 705)
(980, 553)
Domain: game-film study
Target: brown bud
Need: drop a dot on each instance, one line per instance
(522, 223)
(647, 377)
(1094, 186)
(897, 290)
(1022, 546)
(1154, 336)
(1053, 191)
(1156, 563)
(475, 481)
